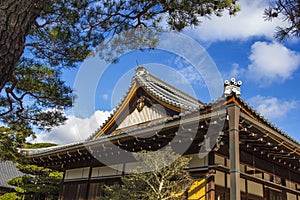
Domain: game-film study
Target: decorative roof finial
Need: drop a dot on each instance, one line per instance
(232, 87)
(140, 70)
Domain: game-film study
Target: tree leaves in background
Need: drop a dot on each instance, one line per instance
(288, 11)
(36, 97)
(38, 182)
(166, 177)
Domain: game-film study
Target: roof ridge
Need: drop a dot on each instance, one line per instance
(142, 73)
(183, 94)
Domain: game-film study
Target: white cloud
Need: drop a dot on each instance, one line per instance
(272, 62)
(186, 74)
(235, 72)
(191, 75)
(75, 129)
(271, 107)
(247, 23)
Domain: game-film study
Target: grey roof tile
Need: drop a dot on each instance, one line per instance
(8, 171)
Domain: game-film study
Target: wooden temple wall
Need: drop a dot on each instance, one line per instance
(86, 183)
(255, 183)
(214, 184)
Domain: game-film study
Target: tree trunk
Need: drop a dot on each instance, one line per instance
(16, 19)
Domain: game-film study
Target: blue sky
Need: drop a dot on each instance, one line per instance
(242, 47)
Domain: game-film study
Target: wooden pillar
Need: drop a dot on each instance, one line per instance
(211, 187)
(88, 182)
(210, 179)
(233, 111)
(60, 195)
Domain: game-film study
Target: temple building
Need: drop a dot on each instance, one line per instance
(235, 152)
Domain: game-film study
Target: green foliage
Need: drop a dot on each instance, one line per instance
(165, 178)
(12, 138)
(38, 182)
(20, 190)
(288, 11)
(67, 31)
(138, 38)
(10, 196)
(38, 145)
(36, 97)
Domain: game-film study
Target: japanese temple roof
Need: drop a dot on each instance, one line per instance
(8, 171)
(158, 89)
(256, 132)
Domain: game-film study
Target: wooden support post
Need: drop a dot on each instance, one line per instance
(210, 179)
(233, 111)
(88, 182)
(62, 185)
(211, 187)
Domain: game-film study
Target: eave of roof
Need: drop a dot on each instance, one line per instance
(246, 108)
(136, 130)
(251, 112)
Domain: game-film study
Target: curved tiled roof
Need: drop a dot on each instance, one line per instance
(8, 171)
(162, 91)
(165, 92)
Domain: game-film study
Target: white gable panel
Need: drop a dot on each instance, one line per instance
(146, 114)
